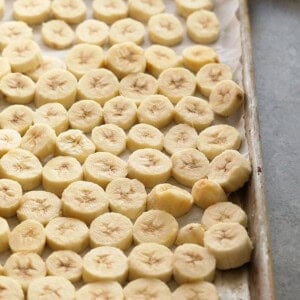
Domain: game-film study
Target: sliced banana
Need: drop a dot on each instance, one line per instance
(4, 66)
(155, 226)
(9, 139)
(2, 8)
(192, 233)
(186, 7)
(230, 245)
(230, 169)
(150, 166)
(11, 289)
(4, 234)
(170, 198)
(105, 264)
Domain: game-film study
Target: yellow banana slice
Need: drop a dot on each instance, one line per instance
(4, 66)
(11, 289)
(9, 139)
(186, 7)
(4, 234)
(192, 233)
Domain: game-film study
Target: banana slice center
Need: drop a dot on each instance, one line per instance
(85, 197)
(104, 260)
(24, 268)
(17, 118)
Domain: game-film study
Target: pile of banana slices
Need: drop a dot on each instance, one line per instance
(103, 153)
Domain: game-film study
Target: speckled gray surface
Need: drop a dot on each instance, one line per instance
(276, 46)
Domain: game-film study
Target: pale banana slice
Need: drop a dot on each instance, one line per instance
(22, 166)
(25, 267)
(230, 245)
(179, 137)
(4, 66)
(67, 234)
(2, 8)
(150, 166)
(65, 263)
(189, 165)
(192, 233)
(28, 236)
(102, 167)
(206, 193)
(170, 198)
(9, 139)
(11, 289)
(109, 138)
(59, 172)
(156, 110)
(143, 136)
(186, 7)
(193, 263)
(83, 58)
(210, 75)
(84, 200)
(111, 229)
(155, 226)
(165, 29)
(105, 264)
(40, 206)
(127, 197)
(99, 85)
(125, 58)
(150, 260)
(57, 34)
(230, 169)
(4, 234)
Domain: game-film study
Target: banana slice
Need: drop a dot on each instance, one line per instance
(180, 137)
(111, 229)
(28, 236)
(84, 201)
(150, 260)
(4, 66)
(176, 83)
(230, 169)
(99, 85)
(40, 206)
(103, 167)
(67, 234)
(59, 172)
(54, 115)
(32, 12)
(2, 8)
(56, 86)
(156, 110)
(143, 136)
(230, 245)
(11, 289)
(210, 75)
(57, 34)
(187, 7)
(165, 29)
(104, 264)
(150, 166)
(65, 263)
(171, 199)
(206, 193)
(192, 233)
(226, 98)
(193, 263)
(83, 58)
(4, 234)
(125, 58)
(109, 138)
(155, 226)
(9, 139)
(25, 267)
(22, 166)
(189, 165)
(127, 197)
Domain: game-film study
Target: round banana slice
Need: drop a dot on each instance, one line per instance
(9, 139)
(189, 165)
(165, 29)
(65, 263)
(57, 34)
(171, 199)
(109, 138)
(192, 263)
(156, 110)
(4, 234)
(28, 236)
(111, 229)
(150, 166)
(84, 200)
(230, 245)
(192, 233)
(22, 166)
(11, 289)
(155, 226)
(127, 197)
(59, 172)
(176, 83)
(150, 260)
(126, 58)
(105, 264)
(103, 167)
(67, 234)
(4, 66)
(99, 85)
(230, 169)
(186, 7)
